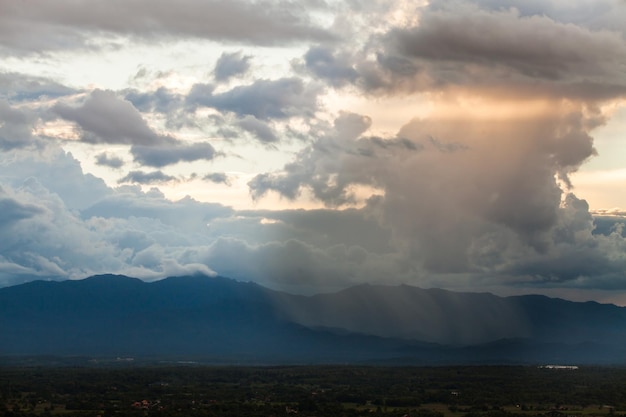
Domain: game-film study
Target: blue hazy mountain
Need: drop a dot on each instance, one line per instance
(454, 318)
(222, 320)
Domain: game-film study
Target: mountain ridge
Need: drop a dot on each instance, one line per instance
(217, 317)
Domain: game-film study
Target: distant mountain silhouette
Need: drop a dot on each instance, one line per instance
(222, 320)
(453, 318)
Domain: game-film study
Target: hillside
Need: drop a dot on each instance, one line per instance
(222, 320)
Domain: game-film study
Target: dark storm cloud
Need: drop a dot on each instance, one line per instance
(263, 99)
(231, 65)
(463, 44)
(481, 196)
(111, 161)
(141, 177)
(549, 49)
(172, 153)
(39, 25)
(457, 199)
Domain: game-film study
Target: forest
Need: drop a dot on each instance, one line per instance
(194, 390)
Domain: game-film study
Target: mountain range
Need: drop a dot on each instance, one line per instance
(219, 320)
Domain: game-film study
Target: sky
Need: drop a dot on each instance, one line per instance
(308, 146)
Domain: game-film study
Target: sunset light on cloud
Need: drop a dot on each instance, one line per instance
(312, 145)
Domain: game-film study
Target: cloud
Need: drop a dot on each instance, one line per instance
(296, 265)
(107, 160)
(56, 171)
(449, 186)
(430, 221)
(337, 69)
(16, 127)
(463, 44)
(592, 14)
(257, 127)
(231, 65)
(162, 100)
(476, 191)
(125, 230)
(337, 160)
(12, 210)
(551, 49)
(104, 118)
(129, 202)
(39, 26)
(171, 153)
(263, 99)
(54, 243)
(218, 178)
(45, 237)
(141, 177)
(18, 87)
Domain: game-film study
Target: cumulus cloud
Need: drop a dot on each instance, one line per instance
(171, 153)
(461, 195)
(336, 68)
(340, 158)
(162, 100)
(231, 65)
(16, 127)
(54, 243)
(143, 234)
(260, 129)
(218, 178)
(46, 237)
(263, 99)
(39, 26)
(141, 177)
(22, 88)
(110, 161)
(480, 188)
(55, 170)
(186, 214)
(11, 210)
(104, 118)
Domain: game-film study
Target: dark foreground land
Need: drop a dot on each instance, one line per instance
(312, 391)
